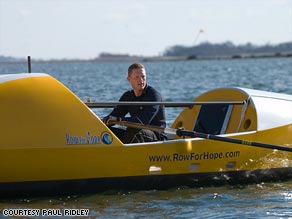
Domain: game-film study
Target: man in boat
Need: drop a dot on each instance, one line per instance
(147, 115)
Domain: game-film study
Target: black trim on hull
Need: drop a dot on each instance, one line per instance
(159, 182)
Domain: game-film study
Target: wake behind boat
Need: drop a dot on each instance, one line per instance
(52, 143)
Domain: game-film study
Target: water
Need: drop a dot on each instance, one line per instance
(177, 81)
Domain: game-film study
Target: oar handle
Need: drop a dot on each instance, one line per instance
(142, 126)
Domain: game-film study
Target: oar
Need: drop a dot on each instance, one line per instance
(181, 132)
(140, 126)
(166, 104)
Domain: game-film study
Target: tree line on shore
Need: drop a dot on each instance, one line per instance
(207, 49)
(216, 50)
(203, 50)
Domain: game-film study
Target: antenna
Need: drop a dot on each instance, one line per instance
(28, 64)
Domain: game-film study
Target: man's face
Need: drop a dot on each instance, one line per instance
(138, 79)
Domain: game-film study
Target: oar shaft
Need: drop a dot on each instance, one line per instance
(166, 104)
(181, 132)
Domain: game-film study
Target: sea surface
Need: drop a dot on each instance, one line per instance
(177, 81)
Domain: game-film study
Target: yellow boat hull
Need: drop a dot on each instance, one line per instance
(52, 143)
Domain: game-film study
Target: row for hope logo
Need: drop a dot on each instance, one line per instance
(105, 137)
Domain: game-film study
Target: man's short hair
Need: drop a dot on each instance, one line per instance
(135, 66)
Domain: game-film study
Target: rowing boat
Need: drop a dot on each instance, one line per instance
(52, 143)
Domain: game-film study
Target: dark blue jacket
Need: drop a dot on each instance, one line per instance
(147, 115)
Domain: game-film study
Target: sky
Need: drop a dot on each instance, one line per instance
(82, 29)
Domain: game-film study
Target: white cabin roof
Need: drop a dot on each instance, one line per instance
(273, 109)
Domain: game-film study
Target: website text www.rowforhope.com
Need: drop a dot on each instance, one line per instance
(176, 157)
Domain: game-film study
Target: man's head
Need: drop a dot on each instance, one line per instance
(137, 78)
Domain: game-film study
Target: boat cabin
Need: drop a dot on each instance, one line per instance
(258, 110)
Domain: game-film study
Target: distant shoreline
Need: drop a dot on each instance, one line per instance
(155, 58)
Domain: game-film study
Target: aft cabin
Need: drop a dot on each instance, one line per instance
(37, 111)
(258, 110)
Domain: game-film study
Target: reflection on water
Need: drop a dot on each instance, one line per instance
(251, 201)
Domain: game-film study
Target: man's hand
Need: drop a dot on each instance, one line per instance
(106, 120)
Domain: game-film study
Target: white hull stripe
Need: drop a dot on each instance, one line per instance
(12, 77)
